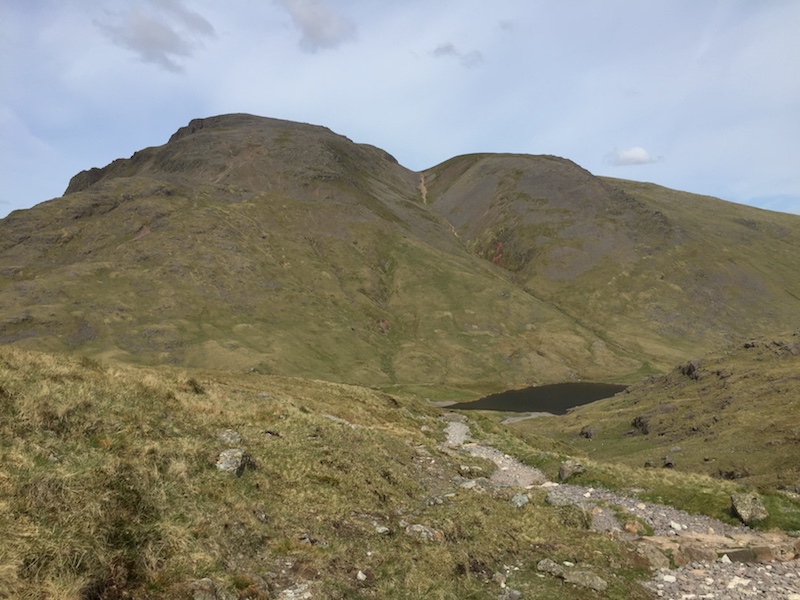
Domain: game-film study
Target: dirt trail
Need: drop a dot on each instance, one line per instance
(423, 189)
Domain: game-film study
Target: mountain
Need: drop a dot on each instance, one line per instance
(247, 243)
(658, 272)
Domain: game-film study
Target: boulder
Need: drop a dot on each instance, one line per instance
(748, 508)
(550, 566)
(589, 431)
(234, 460)
(569, 468)
(586, 579)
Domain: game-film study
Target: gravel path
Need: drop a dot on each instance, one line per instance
(510, 472)
(729, 581)
(718, 580)
(665, 520)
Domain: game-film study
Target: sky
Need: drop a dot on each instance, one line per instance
(700, 96)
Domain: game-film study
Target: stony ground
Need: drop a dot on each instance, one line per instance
(763, 565)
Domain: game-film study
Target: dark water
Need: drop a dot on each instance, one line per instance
(556, 398)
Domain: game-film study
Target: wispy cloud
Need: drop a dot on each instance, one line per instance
(506, 25)
(159, 32)
(467, 59)
(632, 156)
(321, 26)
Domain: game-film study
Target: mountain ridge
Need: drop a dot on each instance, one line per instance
(259, 244)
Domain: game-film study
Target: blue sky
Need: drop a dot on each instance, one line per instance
(697, 96)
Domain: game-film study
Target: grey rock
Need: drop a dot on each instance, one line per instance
(229, 437)
(426, 533)
(741, 555)
(204, 589)
(691, 369)
(509, 594)
(586, 579)
(748, 507)
(519, 500)
(558, 498)
(589, 431)
(234, 460)
(569, 468)
(550, 566)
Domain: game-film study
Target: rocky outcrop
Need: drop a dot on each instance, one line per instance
(569, 468)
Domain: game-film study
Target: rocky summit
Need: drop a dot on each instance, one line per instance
(253, 244)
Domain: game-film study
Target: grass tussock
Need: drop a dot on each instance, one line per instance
(109, 489)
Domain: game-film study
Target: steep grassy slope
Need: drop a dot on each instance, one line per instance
(108, 489)
(661, 273)
(732, 415)
(251, 243)
(248, 243)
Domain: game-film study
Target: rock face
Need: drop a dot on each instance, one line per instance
(748, 507)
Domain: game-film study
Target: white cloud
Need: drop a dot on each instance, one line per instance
(322, 28)
(632, 156)
(162, 35)
(467, 59)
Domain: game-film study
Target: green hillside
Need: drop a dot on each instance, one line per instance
(247, 243)
(109, 488)
(658, 273)
(273, 291)
(733, 414)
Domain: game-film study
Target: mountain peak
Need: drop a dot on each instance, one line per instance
(225, 148)
(239, 121)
